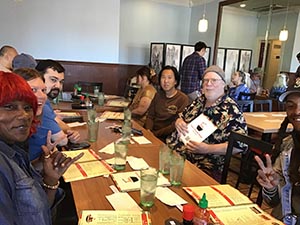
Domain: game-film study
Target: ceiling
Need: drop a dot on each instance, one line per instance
(264, 5)
(251, 5)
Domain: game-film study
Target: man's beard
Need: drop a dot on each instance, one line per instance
(53, 93)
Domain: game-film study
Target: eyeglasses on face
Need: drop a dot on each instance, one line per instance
(213, 81)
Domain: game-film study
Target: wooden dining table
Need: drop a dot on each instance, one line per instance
(89, 194)
(267, 123)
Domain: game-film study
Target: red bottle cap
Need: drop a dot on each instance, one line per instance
(188, 212)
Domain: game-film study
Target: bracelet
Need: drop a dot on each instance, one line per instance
(52, 187)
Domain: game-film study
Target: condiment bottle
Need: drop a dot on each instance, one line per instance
(188, 214)
(201, 216)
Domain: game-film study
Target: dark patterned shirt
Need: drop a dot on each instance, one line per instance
(226, 115)
(191, 73)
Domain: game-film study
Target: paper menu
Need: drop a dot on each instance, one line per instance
(111, 217)
(117, 103)
(198, 129)
(112, 115)
(88, 166)
(242, 215)
(218, 195)
(130, 181)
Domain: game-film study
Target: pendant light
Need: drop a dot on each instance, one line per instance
(203, 23)
(284, 33)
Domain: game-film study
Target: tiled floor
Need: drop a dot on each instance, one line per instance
(232, 177)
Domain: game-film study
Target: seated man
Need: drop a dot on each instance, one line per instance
(53, 74)
(222, 111)
(7, 54)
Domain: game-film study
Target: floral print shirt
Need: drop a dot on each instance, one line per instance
(226, 115)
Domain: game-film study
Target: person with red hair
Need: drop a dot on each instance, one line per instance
(26, 196)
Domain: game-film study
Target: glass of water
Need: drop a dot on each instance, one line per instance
(148, 186)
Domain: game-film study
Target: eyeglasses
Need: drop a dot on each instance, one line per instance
(213, 81)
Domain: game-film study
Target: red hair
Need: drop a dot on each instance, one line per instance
(14, 88)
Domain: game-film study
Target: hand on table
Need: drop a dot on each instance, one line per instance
(266, 177)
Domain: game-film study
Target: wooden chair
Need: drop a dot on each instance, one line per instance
(263, 105)
(248, 166)
(245, 105)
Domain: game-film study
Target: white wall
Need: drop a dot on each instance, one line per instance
(68, 30)
(142, 22)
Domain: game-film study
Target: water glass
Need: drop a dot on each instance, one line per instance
(126, 129)
(101, 98)
(96, 90)
(164, 159)
(93, 128)
(176, 168)
(127, 114)
(148, 186)
(121, 149)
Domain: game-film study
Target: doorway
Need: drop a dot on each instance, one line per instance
(272, 63)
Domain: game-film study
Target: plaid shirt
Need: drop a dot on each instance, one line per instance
(191, 73)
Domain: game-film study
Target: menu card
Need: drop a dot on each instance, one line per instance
(89, 165)
(117, 103)
(105, 217)
(112, 115)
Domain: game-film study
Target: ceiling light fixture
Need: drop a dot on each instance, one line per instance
(284, 33)
(203, 23)
(243, 5)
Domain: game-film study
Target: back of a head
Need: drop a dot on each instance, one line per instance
(199, 45)
(43, 65)
(23, 61)
(298, 56)
(28, 73)
(5, 48)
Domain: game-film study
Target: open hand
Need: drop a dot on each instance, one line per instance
(266, 177)
(181, 126)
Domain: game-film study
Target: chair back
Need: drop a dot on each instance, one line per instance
(245, 105)
(263, 105)
(248, 166)
(246, 96)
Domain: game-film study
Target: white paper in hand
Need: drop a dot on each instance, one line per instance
(198, 130)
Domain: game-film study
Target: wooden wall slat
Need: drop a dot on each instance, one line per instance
(113, 76)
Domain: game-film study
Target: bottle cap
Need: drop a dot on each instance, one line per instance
(188, 212)
(203, 203)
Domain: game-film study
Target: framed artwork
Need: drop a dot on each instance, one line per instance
(185, 51)
(157, 56)
(231, 63)
(207, 56)
(245, 60)
(172, 55)
(221, 58)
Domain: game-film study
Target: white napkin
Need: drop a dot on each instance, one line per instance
(123, 201)
(168, 197)
(137, 163)
(109, 149)
(76, 124)
(141, 140)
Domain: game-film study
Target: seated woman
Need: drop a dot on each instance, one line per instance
(238, 81)
(166, 104)
(27, 197)
(142, 100)
(35, 80)
(222, 111)
(279, 86)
